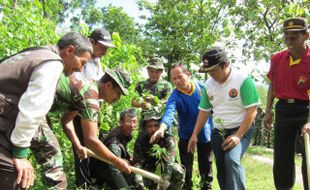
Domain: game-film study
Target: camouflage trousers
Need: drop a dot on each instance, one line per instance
(46, 149)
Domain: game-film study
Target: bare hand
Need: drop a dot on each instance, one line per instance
(192, 144)
(230, 142)
(81, 152)
(25, 173)
(305, 129)
(268, 120)
(122, 165)
(157, 135)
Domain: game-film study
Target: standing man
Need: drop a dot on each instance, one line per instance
(144, 157)
(117, 141)
(154, 85)
(185, 100)
(101, 40)
(233, 98)
(289, 77)
(27, 85)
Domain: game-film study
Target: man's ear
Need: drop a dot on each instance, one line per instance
(69, 50)
(307, 35)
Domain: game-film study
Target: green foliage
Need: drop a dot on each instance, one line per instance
(262, 92)
(24, 26)
(127, 56)
(259, 24)
(181, 30)
(160, 154)
(115, 19)
(222, 131)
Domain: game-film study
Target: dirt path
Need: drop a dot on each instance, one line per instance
(270, 161)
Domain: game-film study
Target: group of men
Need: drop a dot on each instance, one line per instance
(216, 116)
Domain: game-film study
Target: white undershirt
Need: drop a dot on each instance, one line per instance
(36, 102)
(92, 70)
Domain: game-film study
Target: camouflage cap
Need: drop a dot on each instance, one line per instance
(156, 63)
(149, 115)
(121, 77)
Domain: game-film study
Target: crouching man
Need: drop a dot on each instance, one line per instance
(117, 140)
(144, 156)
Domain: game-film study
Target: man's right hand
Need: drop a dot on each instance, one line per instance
(122, 165)
(268, 120)
(157, 135)
(81, 152)
(25, 173)
(192, 143)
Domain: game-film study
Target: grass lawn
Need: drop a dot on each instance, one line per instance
(258, 174)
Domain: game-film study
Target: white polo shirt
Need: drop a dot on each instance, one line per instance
(229, 100)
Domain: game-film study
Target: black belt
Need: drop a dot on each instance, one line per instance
(294, 101)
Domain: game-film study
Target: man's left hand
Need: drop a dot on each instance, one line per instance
(230, 142)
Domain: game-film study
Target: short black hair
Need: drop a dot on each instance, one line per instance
(131, 113)
(180, 65)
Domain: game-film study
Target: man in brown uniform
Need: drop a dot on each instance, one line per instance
(27, 85)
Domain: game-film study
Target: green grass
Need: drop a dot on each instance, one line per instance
(258, 174)
(267, 152)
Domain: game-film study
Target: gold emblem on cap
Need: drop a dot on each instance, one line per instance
(291, 23)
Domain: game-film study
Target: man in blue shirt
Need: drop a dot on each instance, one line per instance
(184, 100)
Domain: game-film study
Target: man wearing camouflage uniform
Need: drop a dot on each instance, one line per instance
(116, 141)
(80, 97)
(258, 128)
(76, 96)
(144, 156)
(153, 86)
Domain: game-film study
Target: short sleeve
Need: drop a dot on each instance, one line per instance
(205, 104)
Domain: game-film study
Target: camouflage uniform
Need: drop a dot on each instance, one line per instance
(105, 174)
(144, 158)
(161, 89)
(46, 150)
(258, 129)
(72, 93)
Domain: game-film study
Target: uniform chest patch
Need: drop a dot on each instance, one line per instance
(302, 80)
(233, 93)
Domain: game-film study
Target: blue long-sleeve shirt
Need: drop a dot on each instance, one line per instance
(187, 108)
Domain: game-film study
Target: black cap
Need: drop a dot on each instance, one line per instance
(295, 24)
(213, 57)
(102, 36)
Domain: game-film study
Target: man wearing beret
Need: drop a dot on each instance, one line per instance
(233, 99)
(289, 77)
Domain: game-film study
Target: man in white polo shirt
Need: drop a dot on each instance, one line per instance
(233, 98)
